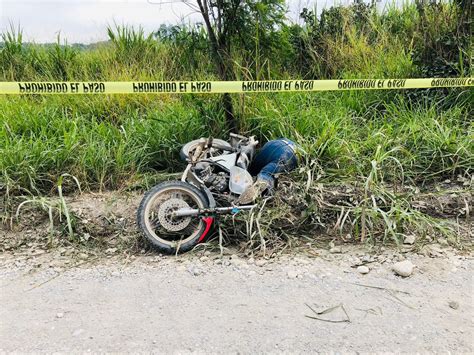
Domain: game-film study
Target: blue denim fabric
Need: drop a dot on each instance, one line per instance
(275, 157)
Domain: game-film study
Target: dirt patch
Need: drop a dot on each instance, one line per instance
(99, 220)
(295, 216)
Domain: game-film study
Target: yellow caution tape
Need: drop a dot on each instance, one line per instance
(178, 87)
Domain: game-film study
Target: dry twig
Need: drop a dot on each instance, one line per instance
(329, 310)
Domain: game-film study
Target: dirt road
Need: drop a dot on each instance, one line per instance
(202, 304)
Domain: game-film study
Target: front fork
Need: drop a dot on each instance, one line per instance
(206, 213)
(185, 212)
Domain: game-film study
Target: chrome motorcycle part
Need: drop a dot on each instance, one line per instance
(166, 218)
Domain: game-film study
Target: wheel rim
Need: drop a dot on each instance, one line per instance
(166, 229)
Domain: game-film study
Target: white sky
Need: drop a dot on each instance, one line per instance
(84, 21)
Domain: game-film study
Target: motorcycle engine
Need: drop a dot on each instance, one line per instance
(221, 182)
(218, 181)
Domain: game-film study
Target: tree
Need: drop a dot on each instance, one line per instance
(231, 25)
(218, 17)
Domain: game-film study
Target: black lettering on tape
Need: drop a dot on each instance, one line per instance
(93, 88)
(262, 86)
(304, 85)
(154, 87)
(43, 88)
(396, 83)
(201, 86)
(356, 84)
(449, 82)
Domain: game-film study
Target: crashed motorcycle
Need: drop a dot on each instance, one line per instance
(177, 215)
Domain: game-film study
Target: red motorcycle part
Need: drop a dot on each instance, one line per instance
(208, 221)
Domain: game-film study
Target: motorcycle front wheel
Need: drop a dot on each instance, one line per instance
(167, 233)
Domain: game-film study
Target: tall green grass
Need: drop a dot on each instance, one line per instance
(108, 141)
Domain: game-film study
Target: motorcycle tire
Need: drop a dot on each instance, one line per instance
(188, 148)
(170, 234)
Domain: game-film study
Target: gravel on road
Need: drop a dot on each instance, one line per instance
(206, 304)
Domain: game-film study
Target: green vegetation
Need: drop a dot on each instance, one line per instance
(112, 141)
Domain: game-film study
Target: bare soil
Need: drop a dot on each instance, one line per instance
(108, 220)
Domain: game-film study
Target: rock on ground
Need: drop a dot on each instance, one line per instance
(403, 268)
(409, 239)
(363, 269)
